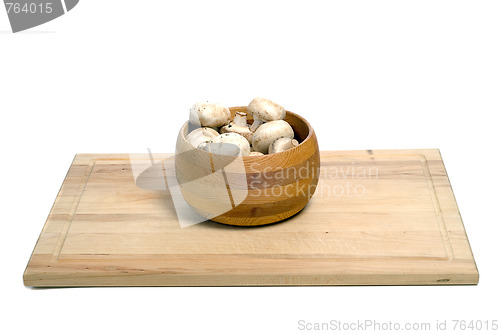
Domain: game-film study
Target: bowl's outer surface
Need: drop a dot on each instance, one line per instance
(262, 190)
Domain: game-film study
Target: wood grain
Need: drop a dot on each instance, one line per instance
(376, 218)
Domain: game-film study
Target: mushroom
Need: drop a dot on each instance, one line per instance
(200, 135)
(268, 132)
(239, 125)
(208, 114)
(282, 144)
(264, 110)
(204, 146)
(255, 154)
(227, 144)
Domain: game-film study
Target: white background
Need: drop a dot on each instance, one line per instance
(120, 76)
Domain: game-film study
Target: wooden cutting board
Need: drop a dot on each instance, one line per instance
(377, 218)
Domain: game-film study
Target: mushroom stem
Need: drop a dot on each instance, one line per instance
(256, 123)
(240, 118)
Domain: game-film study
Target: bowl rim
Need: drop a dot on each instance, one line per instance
(308, 137)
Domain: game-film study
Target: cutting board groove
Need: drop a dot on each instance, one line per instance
(384, 217)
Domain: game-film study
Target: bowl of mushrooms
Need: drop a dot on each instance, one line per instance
(250, 165)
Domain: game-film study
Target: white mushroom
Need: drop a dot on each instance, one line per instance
(205, 146)
(200, 135)
(228, 144)
(239, 125)
(209, 115)
(264, 110)
(282, 144)
(255, 154)
(269, 132)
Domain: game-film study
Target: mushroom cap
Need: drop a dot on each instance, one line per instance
(266, 110)
(255, 154)
(241, 130)
(227, 143)
(200, 135)
(204, 146)
(282, 144)
(269, 132)
(209, 114)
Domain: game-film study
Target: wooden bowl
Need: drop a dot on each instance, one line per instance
(249, 191)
